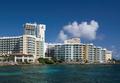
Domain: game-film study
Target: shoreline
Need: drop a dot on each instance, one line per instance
(4, 64)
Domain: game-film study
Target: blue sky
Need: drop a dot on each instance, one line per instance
(58, 13)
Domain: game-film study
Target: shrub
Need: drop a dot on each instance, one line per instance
(45, 61)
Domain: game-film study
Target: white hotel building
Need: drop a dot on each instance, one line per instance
(74, 51)
(26, 48)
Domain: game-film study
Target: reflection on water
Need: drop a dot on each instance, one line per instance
(60, 74)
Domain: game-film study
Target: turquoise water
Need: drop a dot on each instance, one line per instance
(60, 74)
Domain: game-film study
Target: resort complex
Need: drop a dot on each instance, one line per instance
(31, 46)
(73, 51)
(26, 48)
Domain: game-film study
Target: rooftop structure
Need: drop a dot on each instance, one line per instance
(72, 41)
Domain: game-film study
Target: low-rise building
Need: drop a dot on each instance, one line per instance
(108, 56)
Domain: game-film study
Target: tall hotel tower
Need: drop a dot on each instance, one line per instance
(28, 47)
(34, 36)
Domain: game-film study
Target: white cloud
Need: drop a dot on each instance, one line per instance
(62, 35)
(85, 30)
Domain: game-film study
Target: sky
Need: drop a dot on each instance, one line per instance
(94, 21)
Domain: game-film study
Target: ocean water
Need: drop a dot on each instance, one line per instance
(60, 74)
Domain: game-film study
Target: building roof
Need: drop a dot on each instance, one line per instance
(10, 37)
